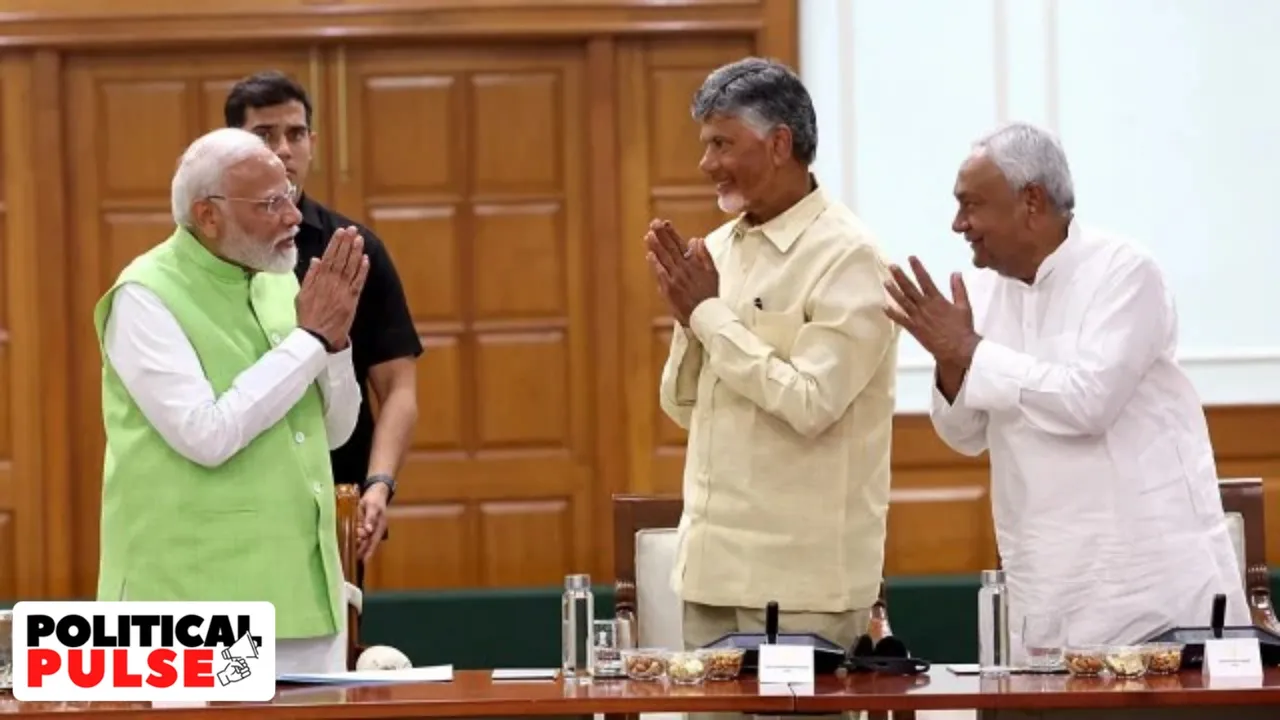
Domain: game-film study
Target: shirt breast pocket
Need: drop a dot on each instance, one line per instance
(778, 329)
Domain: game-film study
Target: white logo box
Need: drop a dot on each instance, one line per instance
(144, 651)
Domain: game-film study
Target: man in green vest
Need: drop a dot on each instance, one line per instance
(225, 384)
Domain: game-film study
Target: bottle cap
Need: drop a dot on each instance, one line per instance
(992, 577)
(577, 582)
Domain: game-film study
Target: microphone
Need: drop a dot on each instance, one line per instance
(771, 622)
(1219, 615)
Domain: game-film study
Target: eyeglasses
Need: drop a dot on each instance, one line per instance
(275, 204)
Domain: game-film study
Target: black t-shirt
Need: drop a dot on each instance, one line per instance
(382, 329)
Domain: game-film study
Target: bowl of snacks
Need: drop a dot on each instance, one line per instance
(645, 663)
(687, 667)
(1127, 661)
(1163, 658)
(725, 663)
(1085, 660)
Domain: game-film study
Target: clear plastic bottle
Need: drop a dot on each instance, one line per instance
(577, 611)
(993, 624)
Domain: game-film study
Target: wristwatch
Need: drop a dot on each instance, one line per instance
(380, 478)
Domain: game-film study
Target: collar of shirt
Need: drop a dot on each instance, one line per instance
(190, 247)
(1062, 256)
(310, 212)
(784, 229)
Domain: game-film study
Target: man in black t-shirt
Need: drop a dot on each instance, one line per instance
(384, 340)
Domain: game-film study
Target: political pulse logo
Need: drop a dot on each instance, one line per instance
(144, 651)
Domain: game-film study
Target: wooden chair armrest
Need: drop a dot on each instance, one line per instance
(624, 610)
(1261, 610)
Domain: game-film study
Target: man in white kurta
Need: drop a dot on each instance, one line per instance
(1104, 491)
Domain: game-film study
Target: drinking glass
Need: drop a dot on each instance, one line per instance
(1043, 637)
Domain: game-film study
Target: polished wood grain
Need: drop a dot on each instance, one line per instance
(474, 694)
(940, 689)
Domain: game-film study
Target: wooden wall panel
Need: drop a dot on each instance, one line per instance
(510, 153)
(659, 169)
(490, 162)
(8, 410)
(469, 164)
(33, 279)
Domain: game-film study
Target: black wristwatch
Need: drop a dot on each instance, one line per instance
(328, 346)
(380, 478)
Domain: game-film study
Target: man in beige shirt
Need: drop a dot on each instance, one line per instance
(782, 368)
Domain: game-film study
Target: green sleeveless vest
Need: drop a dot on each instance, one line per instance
(262, 525)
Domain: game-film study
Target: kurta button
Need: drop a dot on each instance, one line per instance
(299, 437)
(318, 488)
(275, 339)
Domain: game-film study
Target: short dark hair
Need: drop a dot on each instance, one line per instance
(265, 89)
(764, 93)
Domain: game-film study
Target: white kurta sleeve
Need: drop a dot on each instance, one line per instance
(161, 371)
(961, 427)
(678, 389)
(1121, 338)
(835, 353)
(341, 393)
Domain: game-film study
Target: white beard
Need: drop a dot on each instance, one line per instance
(732, 203)
(256, 255)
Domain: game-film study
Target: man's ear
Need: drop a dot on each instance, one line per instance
(780, 145)
(1036, 199)
(205, 214)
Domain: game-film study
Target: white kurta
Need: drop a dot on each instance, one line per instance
(1103, 484)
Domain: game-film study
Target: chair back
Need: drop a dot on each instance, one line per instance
(1242, 502)
(644, 554)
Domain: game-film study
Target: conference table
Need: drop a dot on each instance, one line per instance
(473, 693)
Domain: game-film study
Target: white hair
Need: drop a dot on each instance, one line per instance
(204, 164)
(1028, 155)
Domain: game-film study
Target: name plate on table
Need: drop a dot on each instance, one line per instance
(1232, 658)
(786, 664)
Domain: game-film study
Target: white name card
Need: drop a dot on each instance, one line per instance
(786, 664)
(1233, 658)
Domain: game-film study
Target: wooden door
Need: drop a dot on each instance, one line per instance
(469, 162)
(659, 167)
(129, 117)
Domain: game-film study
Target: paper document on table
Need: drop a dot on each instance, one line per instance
(525, 674)
(432, 673)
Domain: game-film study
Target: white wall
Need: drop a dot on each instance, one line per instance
(1169, 112)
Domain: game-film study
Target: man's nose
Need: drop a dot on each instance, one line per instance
(707, 165)
(282, 149)
(292, 215)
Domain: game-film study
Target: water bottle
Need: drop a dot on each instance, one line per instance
(993, 624)
(577, 611)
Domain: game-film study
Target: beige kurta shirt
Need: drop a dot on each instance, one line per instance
(786, 385)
